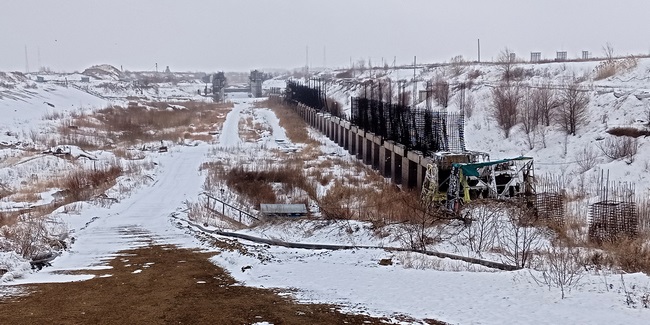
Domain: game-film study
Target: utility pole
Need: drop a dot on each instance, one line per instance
(415, 83)
(479, 50)
(26, 61)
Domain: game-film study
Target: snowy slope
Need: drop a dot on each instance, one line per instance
(619, 100)
(440, 289)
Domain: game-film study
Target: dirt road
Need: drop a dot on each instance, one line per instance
(163, 285)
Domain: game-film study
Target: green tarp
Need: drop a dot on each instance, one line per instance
(471, 169)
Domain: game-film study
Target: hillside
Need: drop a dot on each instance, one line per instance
(619, 100)
(151, 176)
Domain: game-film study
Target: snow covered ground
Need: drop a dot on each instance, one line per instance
(415, 285)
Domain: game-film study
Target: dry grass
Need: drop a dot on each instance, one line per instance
(630, 254)
(256, 184)
(247, 130)
(293, 124)
(4, 191)
(83, 184)
(136, 124)
(370, 201)
(128, 154)
(612, 67)
(25, 197)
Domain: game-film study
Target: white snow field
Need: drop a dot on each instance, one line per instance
(441, 289)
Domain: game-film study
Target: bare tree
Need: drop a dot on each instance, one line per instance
(361, 65)
(529, 118)
(545, 101)
(441, 91)
(608, 51)
(562, 267)
(506, 63)
(467, 104)
(518, 237)
(506, 99)
(457, 65)
(573, 111)
(481, 232)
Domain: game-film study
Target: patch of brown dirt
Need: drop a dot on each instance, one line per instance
(173, 286)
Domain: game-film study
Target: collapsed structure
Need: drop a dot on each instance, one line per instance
(452, 176)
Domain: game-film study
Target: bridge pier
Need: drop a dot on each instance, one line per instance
(361, 135)
(392, 160)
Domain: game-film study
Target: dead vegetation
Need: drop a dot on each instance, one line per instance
(176, 286)
(81, 185)
(141, 124)
(109, 128)
(611, 67)
(295, 127)
(628, 132)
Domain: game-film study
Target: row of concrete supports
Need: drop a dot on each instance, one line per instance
(392, 160)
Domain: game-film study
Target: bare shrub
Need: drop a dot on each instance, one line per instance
(472, 75)
(586, 159)
(83, 184)
(630, 254)
(457, 64)
(481, 232)
(506, 99)
(573, 111)
(562, 267)
(34, 235)
(410, 260)
(441, 91)
(255, 185)
(619, 148)
(518, 237)
(545, 101)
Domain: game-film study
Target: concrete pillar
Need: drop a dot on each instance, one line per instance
(376, 148)
(368, 147)
(335, 129)
(361, 136)
(352, 138)
(396, 163)
(385, 158)
(346, 136)
(411, 169)
(422, 171)
(326, 125)
(372, 156)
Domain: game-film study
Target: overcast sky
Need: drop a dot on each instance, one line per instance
(240, 35)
